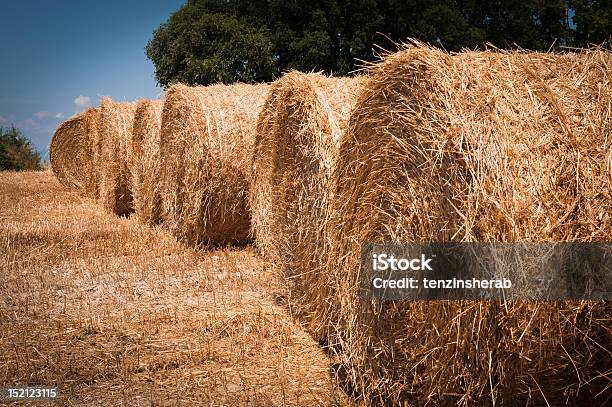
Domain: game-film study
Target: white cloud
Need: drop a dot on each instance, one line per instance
(59, 116)
(42, 114)
(7, 119)
(82, 102)
(28, 125)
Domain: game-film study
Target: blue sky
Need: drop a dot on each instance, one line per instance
(58, 57)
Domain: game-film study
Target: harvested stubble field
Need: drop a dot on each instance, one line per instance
(118, 313)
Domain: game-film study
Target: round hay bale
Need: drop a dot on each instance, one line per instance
(296, 148)
(206, 147)
(474, 147)
(70, 151)
(92, 168)
(144, 161)
(115, 132)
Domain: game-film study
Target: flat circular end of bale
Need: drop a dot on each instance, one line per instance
(70, 152)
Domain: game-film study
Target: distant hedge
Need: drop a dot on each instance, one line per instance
(17, 152)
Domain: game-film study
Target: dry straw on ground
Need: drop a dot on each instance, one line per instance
(144, 161)
(296, 148)
(115, 132)
(118, 313)
(206, 148)
(71, 152)
(478, 146)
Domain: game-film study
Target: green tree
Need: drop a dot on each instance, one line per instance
(209, 41)
(16, 151)
(593, 21)
(440, 23)
(196, 46)
(529, 24)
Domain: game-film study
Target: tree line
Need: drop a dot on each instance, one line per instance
(210, 41)
(16, 152)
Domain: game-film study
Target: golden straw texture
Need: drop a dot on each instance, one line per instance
(70, 152)
(481, 147)
(296, 149)
(144, 161)
(92, 173)
(206, 148)
(115, 132)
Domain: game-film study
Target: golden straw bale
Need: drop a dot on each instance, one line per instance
(70, 151)
(144, 161)
(92, 123)
(206, 147)
(475, 147)
(296, 149)
(115, 132)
